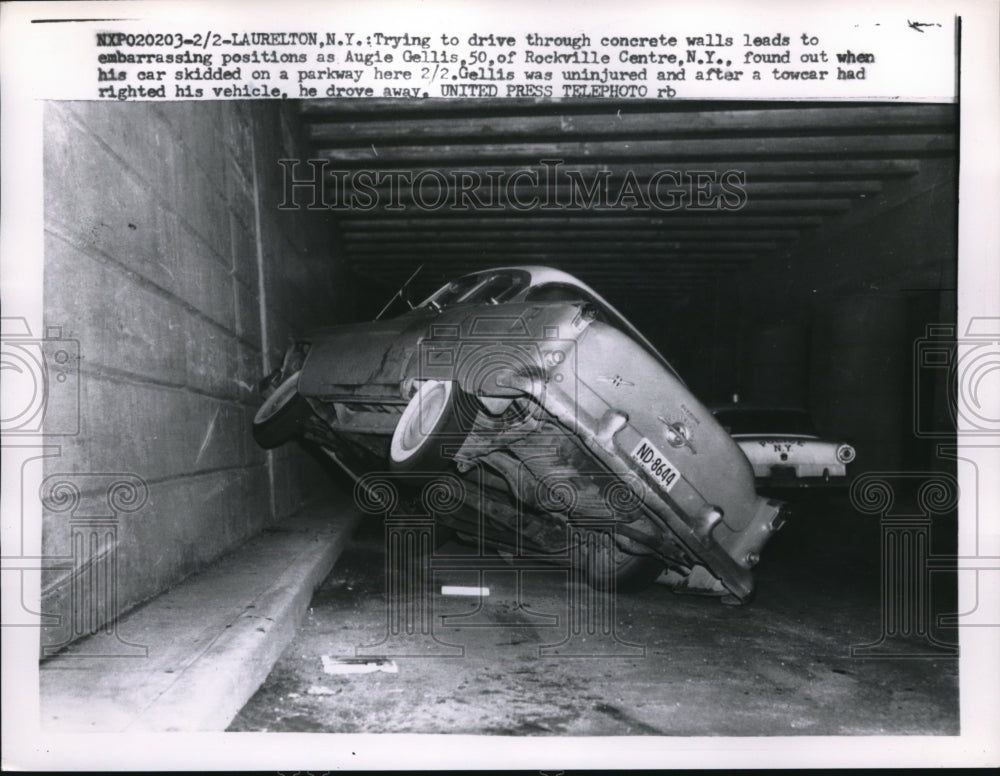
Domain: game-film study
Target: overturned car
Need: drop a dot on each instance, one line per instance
(551, 412)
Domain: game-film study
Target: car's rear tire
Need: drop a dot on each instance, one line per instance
(281, 416)
(429, 418)
(636, 573)
(632, 573)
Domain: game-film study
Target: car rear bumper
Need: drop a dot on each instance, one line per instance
(790, 477)
(688, 516)
(803, 482)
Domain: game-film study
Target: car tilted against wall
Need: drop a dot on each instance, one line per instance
(783, 446)
(549, 411)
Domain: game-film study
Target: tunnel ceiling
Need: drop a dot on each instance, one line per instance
(805, 163)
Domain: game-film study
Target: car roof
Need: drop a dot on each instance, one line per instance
(541, 275)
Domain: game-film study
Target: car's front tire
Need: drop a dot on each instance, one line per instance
(280, 417)
(429, 418)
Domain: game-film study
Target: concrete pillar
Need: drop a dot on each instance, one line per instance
(859, 383)
(776, 366)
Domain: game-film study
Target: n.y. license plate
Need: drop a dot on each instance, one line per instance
(656, 463)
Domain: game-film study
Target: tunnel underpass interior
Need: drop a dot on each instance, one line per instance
(793, 253)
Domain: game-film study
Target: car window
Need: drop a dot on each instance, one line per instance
(482, 287)
(455, 290)
(495, 289)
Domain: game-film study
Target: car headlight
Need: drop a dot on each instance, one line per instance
(845, 453)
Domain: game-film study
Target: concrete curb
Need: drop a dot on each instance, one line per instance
(213, 639)
(212, 691)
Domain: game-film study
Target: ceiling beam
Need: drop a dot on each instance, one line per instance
(577, 245)
(712, 149)
(402, 191)
(542, 236)
(396, 109)
(624, 123)
(591, 222)
(438, 261)
(755, 170)
(528, 209)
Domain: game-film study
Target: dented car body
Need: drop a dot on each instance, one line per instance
(546, 409)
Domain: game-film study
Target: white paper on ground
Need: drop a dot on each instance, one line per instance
(358, 665)
(462, 590)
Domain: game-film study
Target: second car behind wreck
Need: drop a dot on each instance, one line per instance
(548, 417)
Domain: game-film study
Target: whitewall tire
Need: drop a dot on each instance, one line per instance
(427, 422)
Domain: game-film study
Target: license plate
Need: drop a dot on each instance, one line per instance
(656, 464)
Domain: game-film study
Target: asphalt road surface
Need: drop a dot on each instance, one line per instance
(670, 664)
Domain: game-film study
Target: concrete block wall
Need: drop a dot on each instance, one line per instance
(830, 324)
(857, 292)
(167, 259)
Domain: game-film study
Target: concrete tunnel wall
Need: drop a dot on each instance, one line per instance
(167, 259)
(831, 324)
